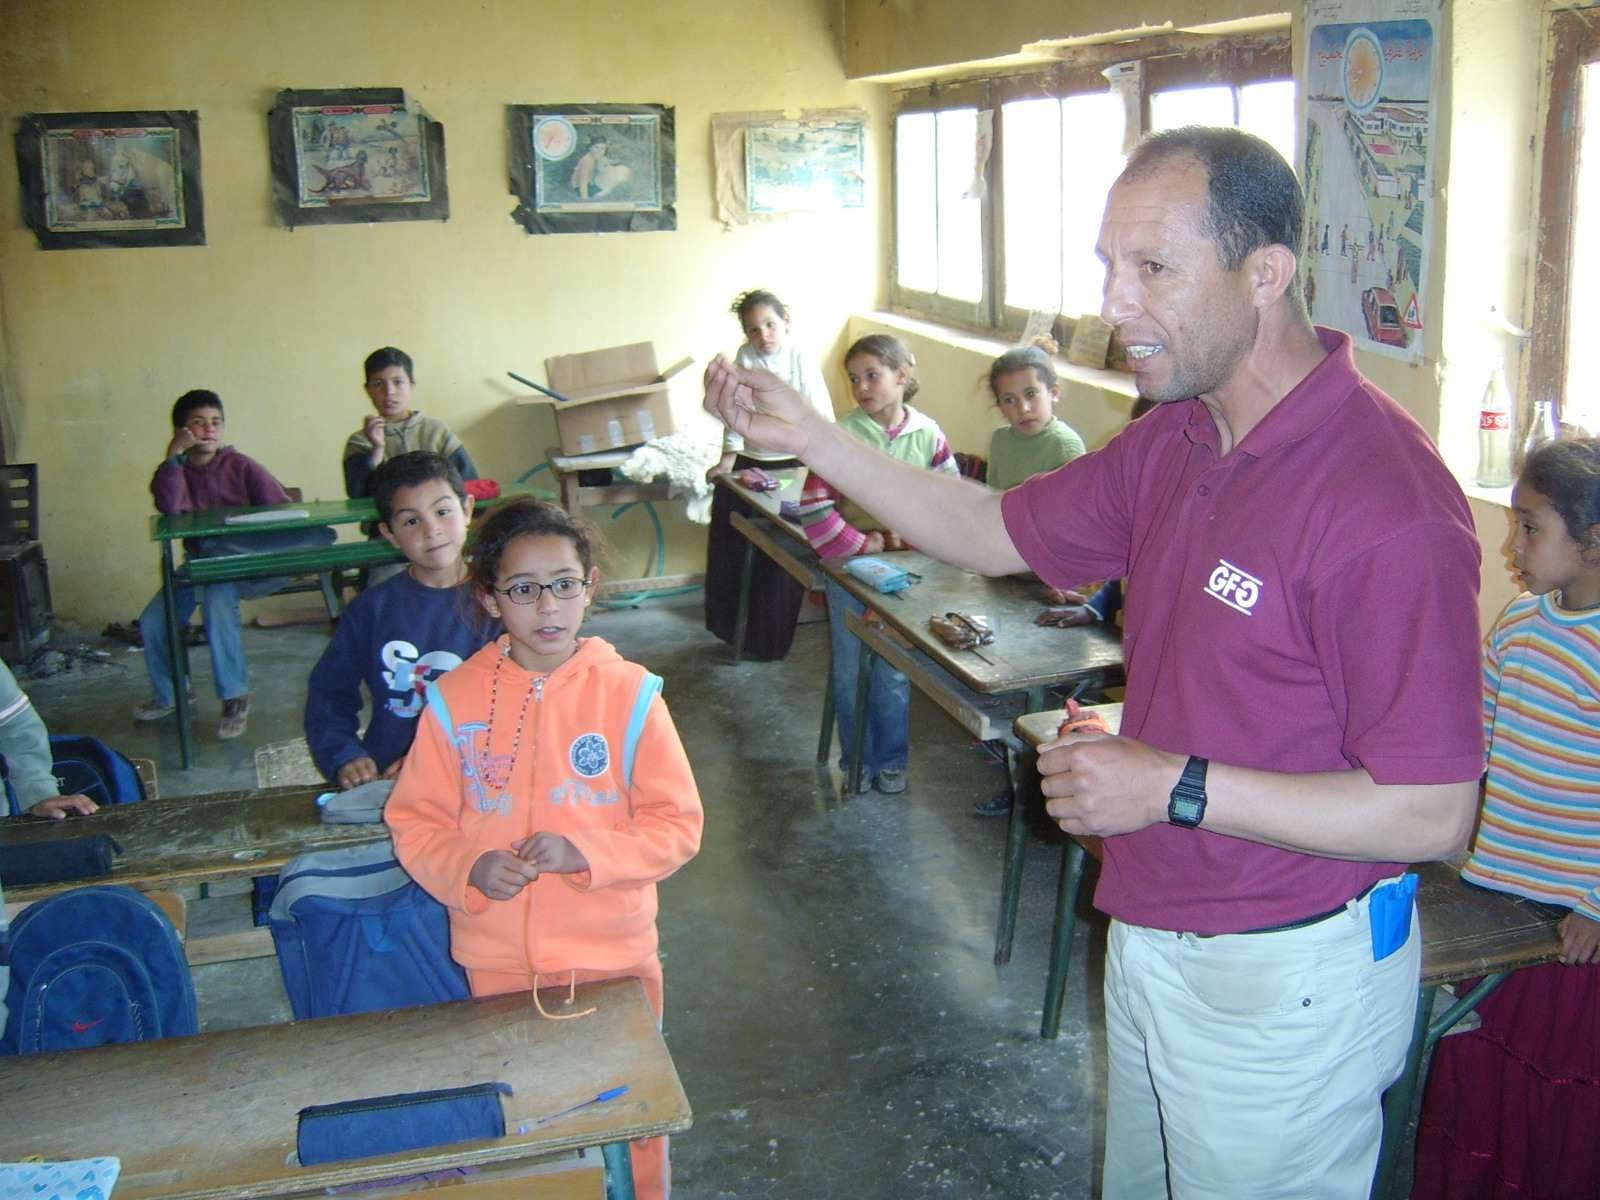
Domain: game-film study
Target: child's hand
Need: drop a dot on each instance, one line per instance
(58, 807)
(721, 467)
(1067, 618)
(1055, 597)
(873, 544)
(392, 771)
(181, 441)
(1580, 939)
(553, 853)
(372, 428)
(500, 874)
(357, 771)
(893, 541)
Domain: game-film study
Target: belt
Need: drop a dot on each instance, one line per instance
(1303, 922)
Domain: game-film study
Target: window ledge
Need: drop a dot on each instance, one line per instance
(992, 347)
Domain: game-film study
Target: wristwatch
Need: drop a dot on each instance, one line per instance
(1187, 804)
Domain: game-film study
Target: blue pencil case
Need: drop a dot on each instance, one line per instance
(393, 1124)
(881, 576)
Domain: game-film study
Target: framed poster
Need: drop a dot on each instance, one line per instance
(98, 179)
(806, 165)
(356, 155)
(593, 168)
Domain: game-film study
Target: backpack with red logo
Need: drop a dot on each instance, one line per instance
(93, 966)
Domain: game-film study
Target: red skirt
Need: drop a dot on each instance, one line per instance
(1512, 1110)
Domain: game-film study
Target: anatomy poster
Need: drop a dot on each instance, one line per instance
(1370, 72)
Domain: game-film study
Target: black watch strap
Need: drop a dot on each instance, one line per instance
(1187, 804)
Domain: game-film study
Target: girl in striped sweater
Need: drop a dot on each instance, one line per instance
(1512, 1107)
(881, 380)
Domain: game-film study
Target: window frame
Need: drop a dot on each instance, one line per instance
(1176, 60)
(1572, 44)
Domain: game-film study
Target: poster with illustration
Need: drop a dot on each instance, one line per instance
(593, 168)
(798, 166)
(1370, 80)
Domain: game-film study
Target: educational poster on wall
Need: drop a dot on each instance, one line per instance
(1370, 78)
(593, 168)
(348, 155)
(804, 166)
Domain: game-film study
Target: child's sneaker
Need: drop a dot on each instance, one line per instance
(153, 710)
(235, 713)
(891, 782)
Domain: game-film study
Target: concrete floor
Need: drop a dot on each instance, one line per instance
(832, 1005)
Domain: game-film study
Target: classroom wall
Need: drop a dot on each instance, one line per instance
(99, 342)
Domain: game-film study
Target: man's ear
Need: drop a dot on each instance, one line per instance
(1271, 269)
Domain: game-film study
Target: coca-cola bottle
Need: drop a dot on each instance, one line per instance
(1494, 432)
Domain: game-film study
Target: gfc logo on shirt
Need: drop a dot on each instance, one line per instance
(1236, 588)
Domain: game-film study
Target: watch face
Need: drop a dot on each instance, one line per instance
(1186, 810)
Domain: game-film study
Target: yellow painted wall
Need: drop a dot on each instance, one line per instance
(100, 342)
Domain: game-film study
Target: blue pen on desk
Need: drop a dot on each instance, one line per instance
(608, 1094)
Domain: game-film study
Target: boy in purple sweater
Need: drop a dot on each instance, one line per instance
(199, 472)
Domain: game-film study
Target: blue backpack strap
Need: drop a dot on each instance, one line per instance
(441, 710)
(649, 689)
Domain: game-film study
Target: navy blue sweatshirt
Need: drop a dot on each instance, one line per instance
(396, 638)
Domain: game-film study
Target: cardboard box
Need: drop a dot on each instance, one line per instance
(614, 397)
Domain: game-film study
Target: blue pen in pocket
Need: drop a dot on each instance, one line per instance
(1389, 911)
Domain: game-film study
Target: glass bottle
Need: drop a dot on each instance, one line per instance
(1542, 428)
(1494, 432)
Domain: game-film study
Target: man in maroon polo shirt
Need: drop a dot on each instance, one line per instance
(1302, 718)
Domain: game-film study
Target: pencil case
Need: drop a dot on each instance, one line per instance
(360, 805)
(758, 480)
(1078, 721)
(880, 576)
(406, 1121)
(962, 631)
(58, 862)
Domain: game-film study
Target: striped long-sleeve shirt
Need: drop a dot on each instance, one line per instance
(1540, 833)
(834, 525)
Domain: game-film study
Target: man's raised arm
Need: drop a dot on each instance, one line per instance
(953, 519)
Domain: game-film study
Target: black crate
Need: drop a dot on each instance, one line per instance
(25, 613)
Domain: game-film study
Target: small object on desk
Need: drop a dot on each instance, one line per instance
(60, 861)
(962, 631)
(78, 1179)
(269, 517)
(601, 1098)
(1078, 721)
(881, 576)
(482, 489)
(758, 480)
(393, 1124)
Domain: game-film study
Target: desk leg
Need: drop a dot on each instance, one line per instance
(1061, 939)
(825, 734)
(1016, 850)
(741, 619)
(619, 1171)
(858, 735)
(569, 493)
(1401, 1102)
(177, 656)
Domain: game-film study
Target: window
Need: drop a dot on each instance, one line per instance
(1567, 278)
(985, 256)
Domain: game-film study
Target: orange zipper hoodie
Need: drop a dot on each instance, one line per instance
(567, 779)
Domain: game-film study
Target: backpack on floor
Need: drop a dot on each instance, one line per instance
(93, 966)
(85, 765)
(354, 933)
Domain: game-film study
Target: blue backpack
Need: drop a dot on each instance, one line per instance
(87, 766)
(355, 934)
(93, 966)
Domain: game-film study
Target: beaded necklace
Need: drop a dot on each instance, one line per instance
(496, 769)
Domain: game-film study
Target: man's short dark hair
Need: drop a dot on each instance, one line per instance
(1255, 198)
(191, 401)
(409, 470)
(388, 356)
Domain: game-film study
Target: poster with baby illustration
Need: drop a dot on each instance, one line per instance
(356, 154)
(593, 168)
(111, 179)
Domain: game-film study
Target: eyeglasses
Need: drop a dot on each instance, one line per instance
(568, 587)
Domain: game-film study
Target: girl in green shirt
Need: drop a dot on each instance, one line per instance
(1034, 439)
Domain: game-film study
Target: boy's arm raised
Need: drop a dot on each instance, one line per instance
(951, 518)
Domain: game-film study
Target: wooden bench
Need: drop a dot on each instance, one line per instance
(214, 1115)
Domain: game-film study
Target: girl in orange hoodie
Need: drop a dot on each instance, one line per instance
(547, 790)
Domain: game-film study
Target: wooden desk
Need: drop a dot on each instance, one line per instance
(213, 1115)
(577, 495)
(197, 839)
(1024, 658)
(236, 567)
(1467, 933)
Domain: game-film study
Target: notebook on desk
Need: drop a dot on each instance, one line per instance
(262, 518)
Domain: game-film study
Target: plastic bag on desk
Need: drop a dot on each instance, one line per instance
(962, 631)
(881, 576)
